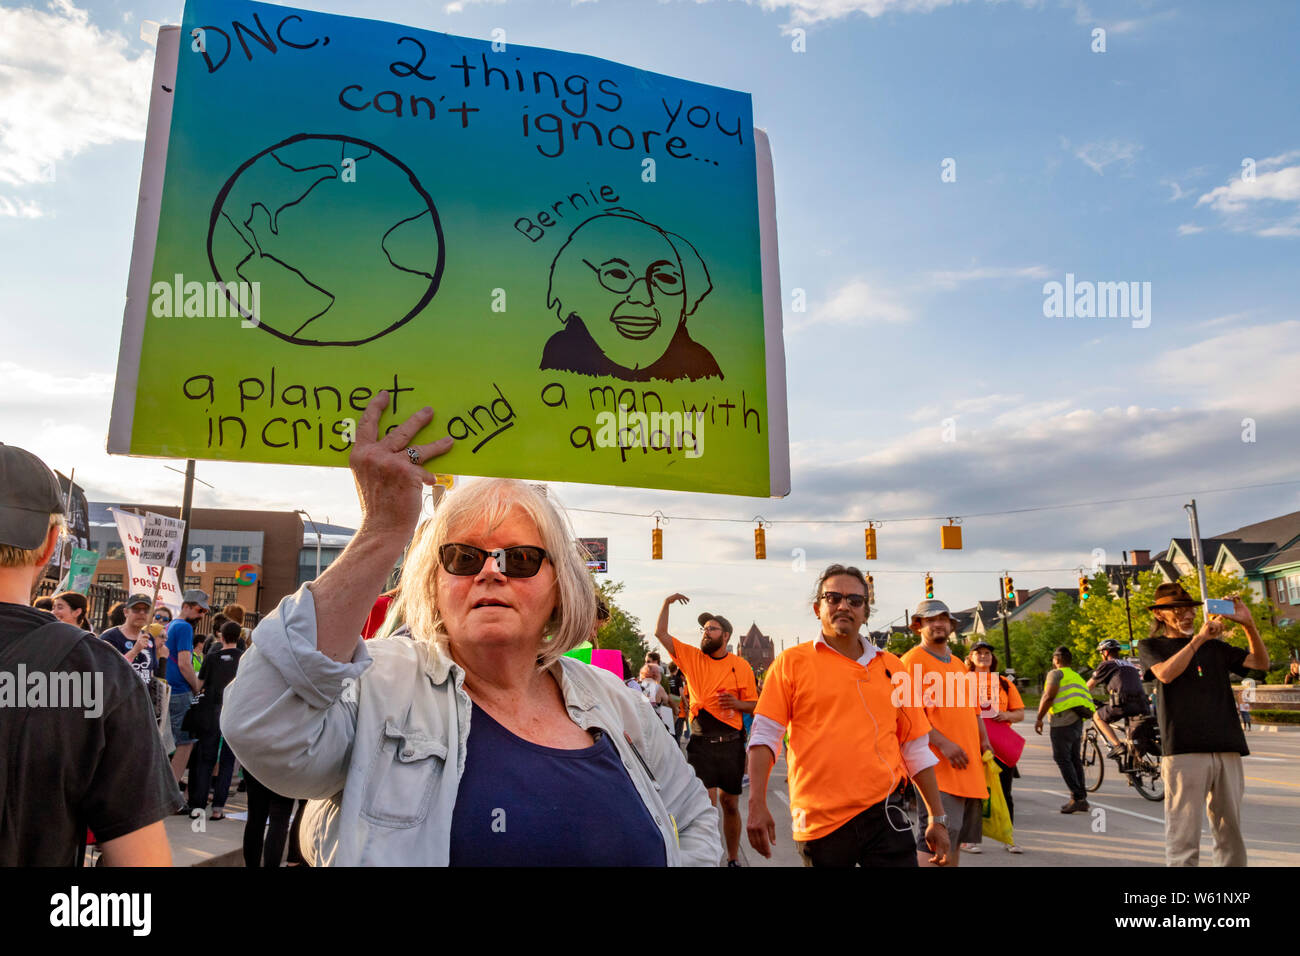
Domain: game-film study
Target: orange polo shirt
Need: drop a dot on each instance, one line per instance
(707, 678)
(955, 715)
(845, 733)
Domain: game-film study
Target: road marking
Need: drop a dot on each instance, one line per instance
(1106, 806)
(1280, 783)
(781, 796)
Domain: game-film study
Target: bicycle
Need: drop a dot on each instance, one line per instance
(1141, 767)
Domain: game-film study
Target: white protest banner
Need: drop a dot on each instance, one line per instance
(142, 577)
(161, 539)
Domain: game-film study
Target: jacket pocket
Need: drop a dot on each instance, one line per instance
(402, 777)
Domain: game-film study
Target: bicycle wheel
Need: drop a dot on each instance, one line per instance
(1094, 764)
(1147, 780)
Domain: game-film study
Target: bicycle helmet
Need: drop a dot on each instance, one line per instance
(1110, 644)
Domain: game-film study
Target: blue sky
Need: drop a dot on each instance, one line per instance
(924, 298)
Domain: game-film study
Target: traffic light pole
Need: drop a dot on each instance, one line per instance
(1006, 631)
(1123, 586)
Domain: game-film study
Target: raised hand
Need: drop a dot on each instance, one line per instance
(388, 481)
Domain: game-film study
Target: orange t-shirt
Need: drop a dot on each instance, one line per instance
(845, 733)
(707, 678)
(954, 712)
(1008, 697)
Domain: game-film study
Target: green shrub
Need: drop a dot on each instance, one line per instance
(1275, 716)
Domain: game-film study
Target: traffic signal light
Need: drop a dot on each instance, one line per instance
(929, 586)
(760, 543)
(950, 536)
(871, 544)
(1085, 588)
(1009, 588)
(657, 544)
(871, 590)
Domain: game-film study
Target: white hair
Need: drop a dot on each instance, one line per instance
(493, 500)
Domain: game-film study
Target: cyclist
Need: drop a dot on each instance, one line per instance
(1123, 679)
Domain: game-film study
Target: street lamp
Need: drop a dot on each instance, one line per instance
(300, 511)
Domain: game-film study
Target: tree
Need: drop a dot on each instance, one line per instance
(622, 632)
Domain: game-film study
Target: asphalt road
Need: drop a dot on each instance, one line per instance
(1123, 829)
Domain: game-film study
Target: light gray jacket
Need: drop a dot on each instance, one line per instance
(378, 744)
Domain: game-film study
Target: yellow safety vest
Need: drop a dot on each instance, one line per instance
(1072, 692)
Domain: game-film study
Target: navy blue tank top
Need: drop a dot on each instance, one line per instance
(522, 804)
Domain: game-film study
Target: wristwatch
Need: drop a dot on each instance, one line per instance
(941, 818)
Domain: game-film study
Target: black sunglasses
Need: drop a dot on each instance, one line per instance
(835, 597)
(521, 561)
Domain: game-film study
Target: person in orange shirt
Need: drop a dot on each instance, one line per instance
(1008, 708)
(851, 748)
(721, 688)
(957, 736)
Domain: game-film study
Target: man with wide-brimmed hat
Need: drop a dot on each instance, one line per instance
(1201, 737)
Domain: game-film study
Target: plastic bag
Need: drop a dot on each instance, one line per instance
(997, 819)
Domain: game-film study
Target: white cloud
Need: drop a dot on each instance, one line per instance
(954, 278)
(65, 85)
(857, 303)
(1267, 205)
(1097, 156)
(1254, 369)
(1188, 229)
(20, 208)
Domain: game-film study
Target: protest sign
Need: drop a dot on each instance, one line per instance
(144, 577)
(598, 549)
(572, 260)
(81, 571)
(160, 539)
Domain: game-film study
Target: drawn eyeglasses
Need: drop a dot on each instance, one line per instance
(618, 277)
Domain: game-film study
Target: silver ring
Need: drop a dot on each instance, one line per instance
(414, 455)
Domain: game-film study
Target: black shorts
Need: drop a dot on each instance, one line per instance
(720, 765)
(1114, 713)
(880, 835)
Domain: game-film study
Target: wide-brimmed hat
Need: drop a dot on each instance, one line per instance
(1171, 596)
(706, 617)
(931, 607)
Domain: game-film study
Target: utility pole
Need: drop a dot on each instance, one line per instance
(1198, 557)
(186, 508)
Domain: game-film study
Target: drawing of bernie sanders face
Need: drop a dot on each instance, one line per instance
(624, 289)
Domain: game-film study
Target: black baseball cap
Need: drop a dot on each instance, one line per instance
(705, 618)
(29, 494)
(978, 644)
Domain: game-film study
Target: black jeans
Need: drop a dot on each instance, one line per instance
(872, 838)
(1005, 776)
(1065, 751)
(263, 803)
(206, 757)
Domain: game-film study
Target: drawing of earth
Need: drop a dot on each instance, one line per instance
(343, 241)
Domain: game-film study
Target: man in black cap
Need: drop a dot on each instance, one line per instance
(133, 639)
(722, 687)
(1200, 736)
(67, 766)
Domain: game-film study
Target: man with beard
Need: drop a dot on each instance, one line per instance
(624, 289)
(1200, 737)
(957, 735)
(851, 743)
(722, 687)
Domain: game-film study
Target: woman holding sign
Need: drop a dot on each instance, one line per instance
(465, 737)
